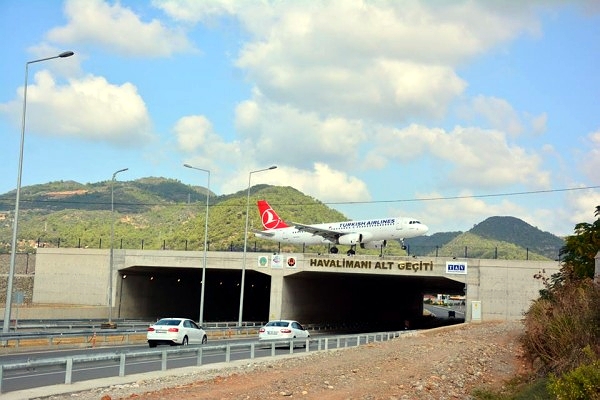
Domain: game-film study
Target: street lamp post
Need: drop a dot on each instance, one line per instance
(246, 244)
(13, 252)
(202, 284)
(112, 237)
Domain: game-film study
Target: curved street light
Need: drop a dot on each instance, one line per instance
(246, 244)
(13, 251)
(112, 237)
(202, 284)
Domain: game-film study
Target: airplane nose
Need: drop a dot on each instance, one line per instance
(424, 228)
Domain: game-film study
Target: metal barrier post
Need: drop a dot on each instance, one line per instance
(252, 350)
(228, 353)
(122, 365)
(163, 365)
(199, 362)
(69, 371)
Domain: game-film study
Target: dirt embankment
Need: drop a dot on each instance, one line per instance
(441, 364)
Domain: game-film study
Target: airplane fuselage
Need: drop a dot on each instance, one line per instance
(350, 232)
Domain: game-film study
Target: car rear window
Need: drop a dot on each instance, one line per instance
(172, 322)
(278, 323)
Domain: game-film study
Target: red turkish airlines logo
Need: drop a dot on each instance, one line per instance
(269, 220)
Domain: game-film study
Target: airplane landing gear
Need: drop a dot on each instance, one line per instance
(351, 251)
(333, 250)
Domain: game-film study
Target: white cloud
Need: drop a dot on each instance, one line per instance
(499, 113)
(389, 61)
(590, 162)
(203, 147)
(282, 134)
(469, 157)
(539, 123)
(386, 61)
(89, 108)
(192, 132)
(118, 29)
(585, 207)
(194, 10)
(321, 182)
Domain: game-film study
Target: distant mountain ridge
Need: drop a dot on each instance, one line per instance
(514, 230)
(496, 232)
(157, 211)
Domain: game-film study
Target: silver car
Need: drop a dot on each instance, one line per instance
(282, 329)
(175, 331)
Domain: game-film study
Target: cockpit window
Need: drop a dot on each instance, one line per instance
(414, 222)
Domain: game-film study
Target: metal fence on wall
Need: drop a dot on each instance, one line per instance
(487, 252)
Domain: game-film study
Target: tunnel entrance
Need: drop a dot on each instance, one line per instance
(153, 293)
(348, 301)
(361, 302)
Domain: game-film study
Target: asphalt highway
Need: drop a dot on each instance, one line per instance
(44, 380)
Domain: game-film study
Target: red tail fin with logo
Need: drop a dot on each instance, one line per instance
(268, 216)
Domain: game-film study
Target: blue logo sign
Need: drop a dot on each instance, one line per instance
(456, 267)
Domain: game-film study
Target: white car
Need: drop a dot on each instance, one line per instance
(174, 331)
(282, 330)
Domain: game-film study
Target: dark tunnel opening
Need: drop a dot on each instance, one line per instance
(171, 292)
(347, 301)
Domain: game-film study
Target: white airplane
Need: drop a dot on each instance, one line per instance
(368, 234)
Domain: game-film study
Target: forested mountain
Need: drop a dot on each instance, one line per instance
(514, 230)
(134, 196)
(159, 213)
(496, 237)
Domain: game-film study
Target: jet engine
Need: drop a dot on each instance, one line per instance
(376, 244)
(352, 239)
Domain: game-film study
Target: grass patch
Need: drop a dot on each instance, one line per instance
(517, 389)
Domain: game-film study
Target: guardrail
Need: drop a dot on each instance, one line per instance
(90, 333)
(42, 325)
(106, 337)
(323, 344)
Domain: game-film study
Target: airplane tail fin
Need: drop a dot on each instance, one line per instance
(268, 216)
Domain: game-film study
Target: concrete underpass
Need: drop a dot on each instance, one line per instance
(312, 288)
(343, 300)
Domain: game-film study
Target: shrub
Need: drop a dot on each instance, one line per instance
(558, 328)
(581, 383)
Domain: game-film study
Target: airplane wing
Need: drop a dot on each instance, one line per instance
(262, 233)
(325, 233)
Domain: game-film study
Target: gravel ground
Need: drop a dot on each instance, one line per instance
(444, 363)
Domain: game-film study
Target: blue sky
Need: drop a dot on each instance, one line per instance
(437, 110)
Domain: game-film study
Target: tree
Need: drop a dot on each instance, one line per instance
(579, 252)
(578, 258)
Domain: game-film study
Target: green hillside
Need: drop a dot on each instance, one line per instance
(515, 231)
(134, 196)
(470, 245)
(159, 213)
